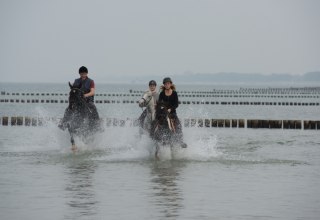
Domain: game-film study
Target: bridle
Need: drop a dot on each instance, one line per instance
(147, 102)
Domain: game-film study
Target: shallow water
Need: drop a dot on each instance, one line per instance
(223, 174)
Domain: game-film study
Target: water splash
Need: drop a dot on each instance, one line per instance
(114, 143)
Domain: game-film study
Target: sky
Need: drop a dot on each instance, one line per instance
(47, 41)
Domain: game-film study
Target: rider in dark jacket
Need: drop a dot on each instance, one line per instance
(169, 97)
(88, 87)
(85, 84)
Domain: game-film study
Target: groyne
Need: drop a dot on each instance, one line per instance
(187, 122)
(306, 96)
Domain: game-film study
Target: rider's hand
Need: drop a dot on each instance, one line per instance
(169, 110)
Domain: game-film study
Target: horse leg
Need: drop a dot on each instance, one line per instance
(73, 144)
(157, 152)
(172, 151)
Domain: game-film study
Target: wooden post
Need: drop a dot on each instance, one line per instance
(186, 122)
(5, 121)
(227, 123)
(234, 123)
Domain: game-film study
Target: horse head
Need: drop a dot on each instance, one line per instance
(75, 96)
(146, 99)
(162, 113)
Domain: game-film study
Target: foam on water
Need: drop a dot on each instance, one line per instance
(117, 144)
(126, 144)
(114, 143)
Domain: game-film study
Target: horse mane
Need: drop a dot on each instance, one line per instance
(72, 85)
(162, 104)
(161, 108)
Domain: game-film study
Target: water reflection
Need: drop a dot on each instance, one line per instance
(167, 193)
(81, 200)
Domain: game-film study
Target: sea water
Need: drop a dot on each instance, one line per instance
(225, 173)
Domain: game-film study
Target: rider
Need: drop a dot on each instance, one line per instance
(155, 94)
(169, 97)
(88, 87)
(86, 84)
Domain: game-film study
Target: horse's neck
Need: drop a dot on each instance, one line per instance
(151, 108)
(78, 109)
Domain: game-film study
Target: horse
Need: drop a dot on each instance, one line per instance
(166, 129)
(148, 115)
(80, 118)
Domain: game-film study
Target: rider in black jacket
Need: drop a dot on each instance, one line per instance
(169, 97)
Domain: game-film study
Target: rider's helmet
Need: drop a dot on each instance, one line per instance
(83, 69)
(152, 82)
(167, 79)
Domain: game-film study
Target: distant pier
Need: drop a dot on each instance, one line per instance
(306, 96)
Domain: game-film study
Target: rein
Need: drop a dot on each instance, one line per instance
(147, 102)
(170, 121)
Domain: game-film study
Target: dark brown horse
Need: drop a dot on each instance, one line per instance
(166, 129)
(80, 118)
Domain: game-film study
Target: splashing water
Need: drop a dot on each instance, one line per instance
(115, 143)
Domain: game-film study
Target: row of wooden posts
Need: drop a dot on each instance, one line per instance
(190, 95)
(52, 101)
(291, 90)
(188, 122)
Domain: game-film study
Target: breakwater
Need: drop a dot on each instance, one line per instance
(309, 96)
(187, 122)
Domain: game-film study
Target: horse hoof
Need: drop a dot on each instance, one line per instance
(74, 148)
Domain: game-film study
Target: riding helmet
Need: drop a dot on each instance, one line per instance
(83, 69)
(167, 79)
(152, 82)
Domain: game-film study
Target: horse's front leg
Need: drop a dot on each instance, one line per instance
(73, 144)
(157, 152)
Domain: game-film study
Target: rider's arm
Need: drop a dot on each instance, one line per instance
(91, 93)
(92, 90)
(160, 99)
(176, 100)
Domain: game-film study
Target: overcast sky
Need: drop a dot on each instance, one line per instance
(47, 41)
